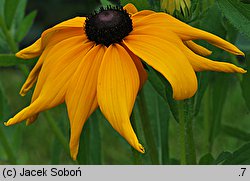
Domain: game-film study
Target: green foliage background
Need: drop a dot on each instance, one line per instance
(219, 128)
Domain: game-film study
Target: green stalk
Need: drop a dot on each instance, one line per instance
(148, 132)
(56, 130)
(188, 153)
(182, 133)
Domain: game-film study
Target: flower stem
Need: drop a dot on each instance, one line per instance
(148, 132)
(56, 131)
(188, 153)
(182, 133)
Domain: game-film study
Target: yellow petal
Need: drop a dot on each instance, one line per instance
(50, 39)
(62, 31)
(198, 63)
(81, 98)
(137, 61)
(184, 31)
(168, 60)
(118, 84)
(57, 69)
(197, 48)
(31, 51)
(141, 14)
(130, 8)
(32, 78)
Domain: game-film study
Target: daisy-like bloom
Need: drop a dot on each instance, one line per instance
(170, 6)
(94, 61)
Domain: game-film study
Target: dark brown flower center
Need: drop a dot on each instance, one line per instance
(109, 25)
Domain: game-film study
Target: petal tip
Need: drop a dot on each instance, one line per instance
(7, 123)
(19, 54)
(74, 156)
(243, 71)
(141, 149)
(22, 93)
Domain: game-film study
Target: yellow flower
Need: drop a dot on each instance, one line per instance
(170, 6)
(94, 61)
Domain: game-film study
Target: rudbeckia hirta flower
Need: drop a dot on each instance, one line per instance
(94, 61)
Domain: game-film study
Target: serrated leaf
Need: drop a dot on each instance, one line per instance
(237, 13)
(240, 156)
(20, 12)
(7, 60)
(25, 25)
(10, 11)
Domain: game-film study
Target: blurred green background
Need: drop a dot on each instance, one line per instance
(221, 127)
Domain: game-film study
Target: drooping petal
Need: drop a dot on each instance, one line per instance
(57, 70)
(81, 98)
(168, 60)
(118, 84)
(32, 78)
(130, 8)
(51, 36)
(31, 51)
(197, 48)
(198, 63)
(184, 31)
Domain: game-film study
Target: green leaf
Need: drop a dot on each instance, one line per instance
(25, 25)
(237, 13)
(90, 145)
(20, 12)
(2, 100)
(219, 85)
(203, 80)
(2, 2)
(235, 132)
(245, 86)
(7, 60)
(239, 157)
(10, 11)
(207, 159)
(222, 157)
(163, 88)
